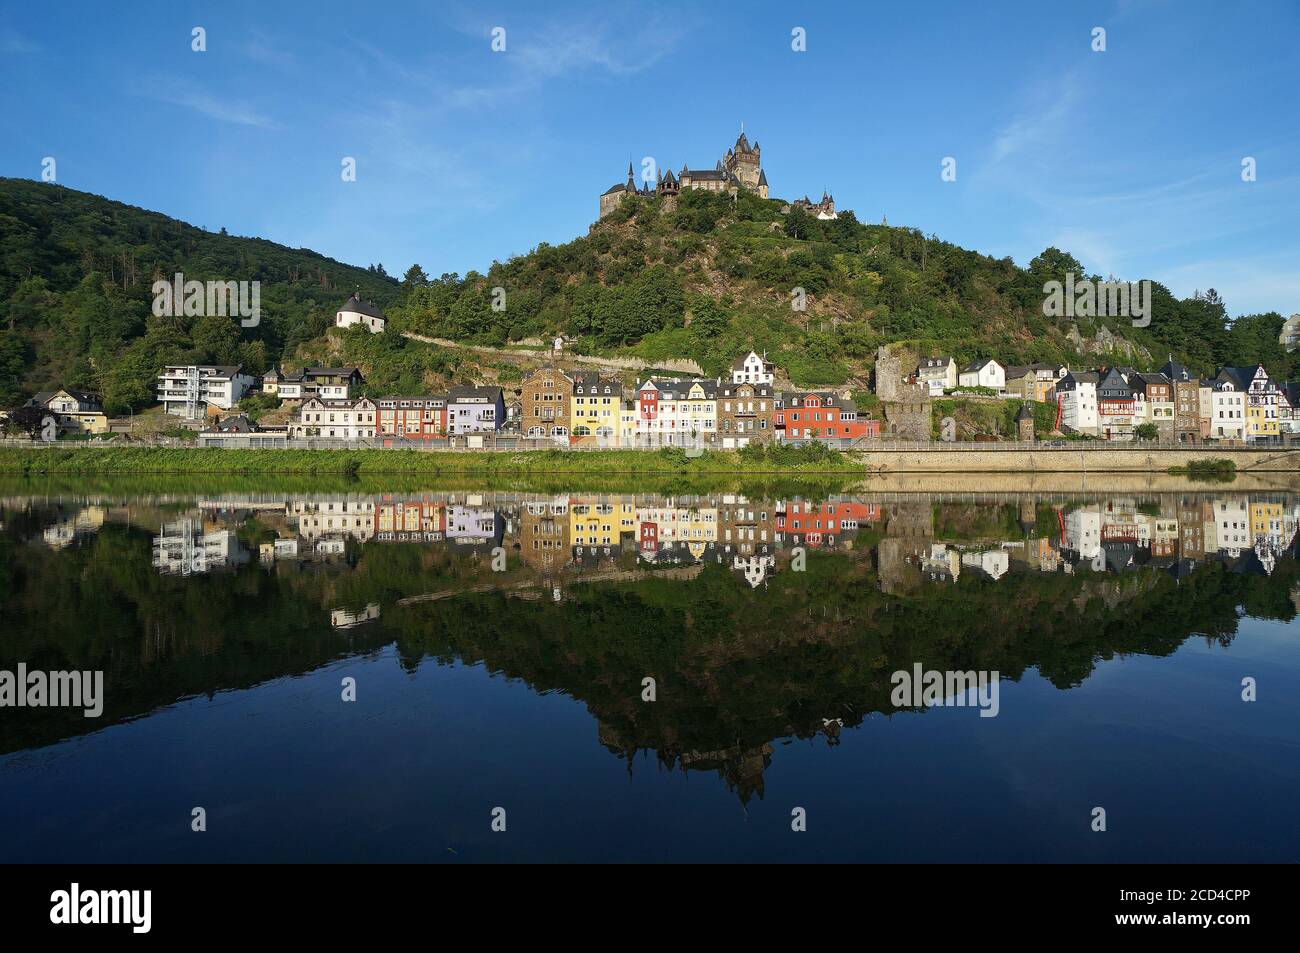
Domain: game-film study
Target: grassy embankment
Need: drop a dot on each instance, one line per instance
(185, 460)
(1210, 471)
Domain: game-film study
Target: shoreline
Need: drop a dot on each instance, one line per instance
(672, 462)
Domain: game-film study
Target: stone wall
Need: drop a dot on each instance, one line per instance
(1053, 460)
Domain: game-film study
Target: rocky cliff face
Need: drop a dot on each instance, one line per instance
(1107, 343)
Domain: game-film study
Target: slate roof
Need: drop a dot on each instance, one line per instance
(360, 306)
(482, 392)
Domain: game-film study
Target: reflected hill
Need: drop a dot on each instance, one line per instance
(760, 620)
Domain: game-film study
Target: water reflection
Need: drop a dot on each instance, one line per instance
(761, 619)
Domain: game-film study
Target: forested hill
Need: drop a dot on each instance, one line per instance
(75, 302)
(703, 276)
(707, 278)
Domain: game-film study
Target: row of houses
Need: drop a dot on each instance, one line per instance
(1247, 533)
(575, 408)
(1238, 403)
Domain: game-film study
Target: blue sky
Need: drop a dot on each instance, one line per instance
(1130, 159)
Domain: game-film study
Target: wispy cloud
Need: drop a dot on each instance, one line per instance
(1041, 124)
(177, 92)
(534, 57)
(260, 48)
(13, 43)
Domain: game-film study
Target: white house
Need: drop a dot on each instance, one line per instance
(1076, 401)
(190, 390)
(983, 373)
(1227, 410)
(752, 369)
(358, 311)
(1289, 337)
(939, 374)
(334, 419)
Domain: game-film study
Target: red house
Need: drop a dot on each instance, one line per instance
(411, 418)
(821, 416)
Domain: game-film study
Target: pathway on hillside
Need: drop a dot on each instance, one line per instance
(617, 363)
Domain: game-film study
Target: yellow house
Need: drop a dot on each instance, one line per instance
(595, 409)
(598, 522)
(697, 411)
(1266, 520)
(1261, 416)
(627, 423)
(76, 411)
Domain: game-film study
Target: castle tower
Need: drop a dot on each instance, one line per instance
(744, 162)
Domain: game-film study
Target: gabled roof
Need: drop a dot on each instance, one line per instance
(42, 398)
(237, 423)
(943, 360)
(1175, 371)
(1236, 376)
(739, 363)
(1143, 380)
(1113, 386)
(980, 364)
(1080, 377)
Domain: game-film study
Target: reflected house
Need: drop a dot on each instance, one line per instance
(1232, 526)
(601, 522)
(992, 563)
(418, 519)
(351, 618)
(675, 520)
(314, 519)
(823, 524)
(679, 553)
(745, 525)
(544, 537)
(756, 567)
(1081, 541)
(474, 528)
(1191, 527)
(937, 562)
(184, 547)
(65, 532)
(279, 549)
(1266, 522)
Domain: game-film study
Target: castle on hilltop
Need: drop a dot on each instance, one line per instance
(740, 168)
(825, 209)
